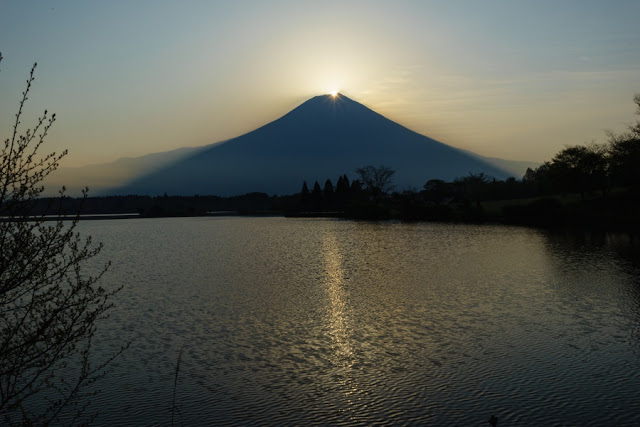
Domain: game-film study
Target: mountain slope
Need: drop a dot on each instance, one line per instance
(103, 177)
(324, 137)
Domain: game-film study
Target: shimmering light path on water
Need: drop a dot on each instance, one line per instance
(302, 321)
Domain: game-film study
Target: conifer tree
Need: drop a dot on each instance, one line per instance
(345, 180)
(316, 196)
(329, 195)
(328, 188)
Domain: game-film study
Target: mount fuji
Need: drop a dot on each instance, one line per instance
(325, 137)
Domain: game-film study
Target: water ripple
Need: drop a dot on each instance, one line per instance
(323, 322)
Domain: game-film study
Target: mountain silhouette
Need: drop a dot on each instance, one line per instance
(325, 137)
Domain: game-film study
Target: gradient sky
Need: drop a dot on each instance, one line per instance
(510, 79)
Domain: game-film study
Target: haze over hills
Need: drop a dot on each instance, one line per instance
(324, 137)
(102, 177)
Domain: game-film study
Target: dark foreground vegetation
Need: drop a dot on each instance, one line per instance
(50, 302)
(586, 186)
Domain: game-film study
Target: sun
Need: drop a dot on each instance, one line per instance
(334, 93)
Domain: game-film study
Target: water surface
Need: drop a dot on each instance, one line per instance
(306, 321)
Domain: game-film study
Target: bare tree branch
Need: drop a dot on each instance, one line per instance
(49, 306)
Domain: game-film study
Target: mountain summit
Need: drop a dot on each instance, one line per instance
(325, 137)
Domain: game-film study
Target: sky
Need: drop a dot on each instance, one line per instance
(512, 79)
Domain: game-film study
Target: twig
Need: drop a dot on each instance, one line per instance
(175, 386)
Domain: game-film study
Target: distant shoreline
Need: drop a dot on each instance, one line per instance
(623, 227)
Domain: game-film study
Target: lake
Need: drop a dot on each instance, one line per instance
(324, 321)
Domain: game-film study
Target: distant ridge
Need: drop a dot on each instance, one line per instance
(104, 177)
(324, 137)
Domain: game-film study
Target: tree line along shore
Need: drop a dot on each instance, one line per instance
(591, 185)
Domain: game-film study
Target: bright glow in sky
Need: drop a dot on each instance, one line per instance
(516, 80)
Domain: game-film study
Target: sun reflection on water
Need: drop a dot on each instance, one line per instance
(338, 319)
